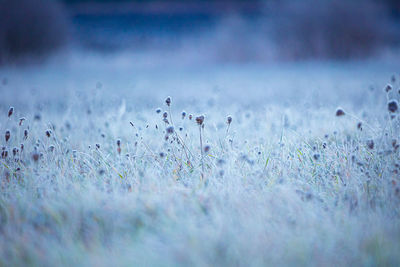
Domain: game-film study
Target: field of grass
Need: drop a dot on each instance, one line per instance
(99, 168)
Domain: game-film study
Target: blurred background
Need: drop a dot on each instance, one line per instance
(200, 30)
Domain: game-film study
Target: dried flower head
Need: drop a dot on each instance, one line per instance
(393, 105)
(21, 120)
(7, 135)
(183, 114)
(35, 156)
(165, 115)
(370, 144)
(158, 110)
(229, 119)
(118, 142)
(98, 146)
(200, 120)
(359, 126)
(339, 112)
(207, 148)
(10, 111)
(190, 116)
(388, 88)
(170, 130)
(26, 132)
(48, 133)
(15, 151)
(168, 101)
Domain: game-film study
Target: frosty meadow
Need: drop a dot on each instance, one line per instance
(109, 178)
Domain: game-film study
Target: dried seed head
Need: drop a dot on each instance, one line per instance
(26, 134)
(207, 148)
(393, 105)
(98, 146)
(51, 148)
(35, 156)
(183, 114)
(21, 120)
(359, 126)
(316, 156)
(22, 147)
(229, 119)
(118, 142)
(48, 133)
(165, 115)
(170, 130)
(190, 116)
(340, 112)
(168, 101)
(7, 135)
(162, 154)
(158, 110)
(4, 154)
(200, 120)
(15, 151)
(388, 88)
(370, 144)
(10, 111)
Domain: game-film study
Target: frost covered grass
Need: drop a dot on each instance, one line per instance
(93, 183)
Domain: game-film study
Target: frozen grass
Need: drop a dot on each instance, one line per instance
(97, 183)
